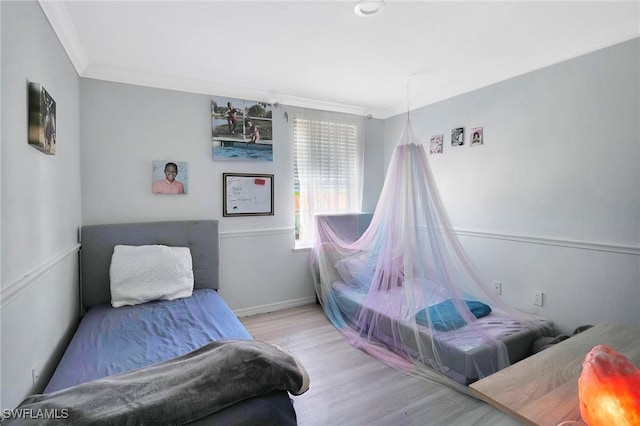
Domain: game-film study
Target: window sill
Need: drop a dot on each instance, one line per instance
(301, 247)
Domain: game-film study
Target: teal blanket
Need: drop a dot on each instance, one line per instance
(445, 317)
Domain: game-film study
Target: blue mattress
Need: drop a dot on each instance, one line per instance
(462, 351)
(115, 340)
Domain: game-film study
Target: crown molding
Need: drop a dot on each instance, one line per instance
(59, 19)
(183, 84)
(61, 23)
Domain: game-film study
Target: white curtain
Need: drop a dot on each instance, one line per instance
(328, 160)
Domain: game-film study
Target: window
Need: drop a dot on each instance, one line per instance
(328, 156)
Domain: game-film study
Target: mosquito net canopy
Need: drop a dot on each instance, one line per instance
(405, 291)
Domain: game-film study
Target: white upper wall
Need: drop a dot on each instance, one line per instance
(40, 193)
(560, 154)
(126, 127)
(551, 201)
(41, 210)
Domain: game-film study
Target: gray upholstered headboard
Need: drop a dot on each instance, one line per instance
(350, 226)
(98, 242)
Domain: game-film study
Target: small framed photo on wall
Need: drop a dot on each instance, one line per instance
(170, 177)
(42, 119)
(435, 144)
(457, 136)
(476, 136)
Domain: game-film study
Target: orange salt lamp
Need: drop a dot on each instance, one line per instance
(609, 389)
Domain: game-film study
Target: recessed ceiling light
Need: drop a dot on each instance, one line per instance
(367, 8)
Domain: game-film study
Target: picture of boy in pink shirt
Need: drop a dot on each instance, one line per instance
(169, 185)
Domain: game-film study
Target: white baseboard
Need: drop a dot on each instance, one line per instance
(272, 307)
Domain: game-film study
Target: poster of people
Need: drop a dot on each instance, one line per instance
(241, 130)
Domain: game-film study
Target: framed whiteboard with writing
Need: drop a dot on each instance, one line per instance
(247, 194)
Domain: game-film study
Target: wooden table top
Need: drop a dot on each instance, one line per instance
(543, 388)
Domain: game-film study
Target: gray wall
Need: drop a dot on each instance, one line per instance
(551, 201)
(41, 209)
(126, 127)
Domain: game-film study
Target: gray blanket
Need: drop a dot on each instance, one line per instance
(174, 392)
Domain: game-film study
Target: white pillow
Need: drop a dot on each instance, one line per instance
(350, 267)
(141, 274)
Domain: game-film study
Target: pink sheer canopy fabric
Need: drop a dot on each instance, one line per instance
(405, 291)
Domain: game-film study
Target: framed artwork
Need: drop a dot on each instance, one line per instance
(247, 194)
(476, 136)
(42, 119)
(435, 144)
(457, 136)
(170, 177)
(241, 130)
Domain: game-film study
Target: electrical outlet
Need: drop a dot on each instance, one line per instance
(497, 287)
(537, 297)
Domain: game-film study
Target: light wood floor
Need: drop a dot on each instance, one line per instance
(350, 388)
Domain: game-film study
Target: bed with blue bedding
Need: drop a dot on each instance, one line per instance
(115, 340)
(461, 350)
(183, 361)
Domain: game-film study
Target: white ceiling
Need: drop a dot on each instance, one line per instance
(321, 54)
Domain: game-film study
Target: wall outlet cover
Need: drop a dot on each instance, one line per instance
(537, 297)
